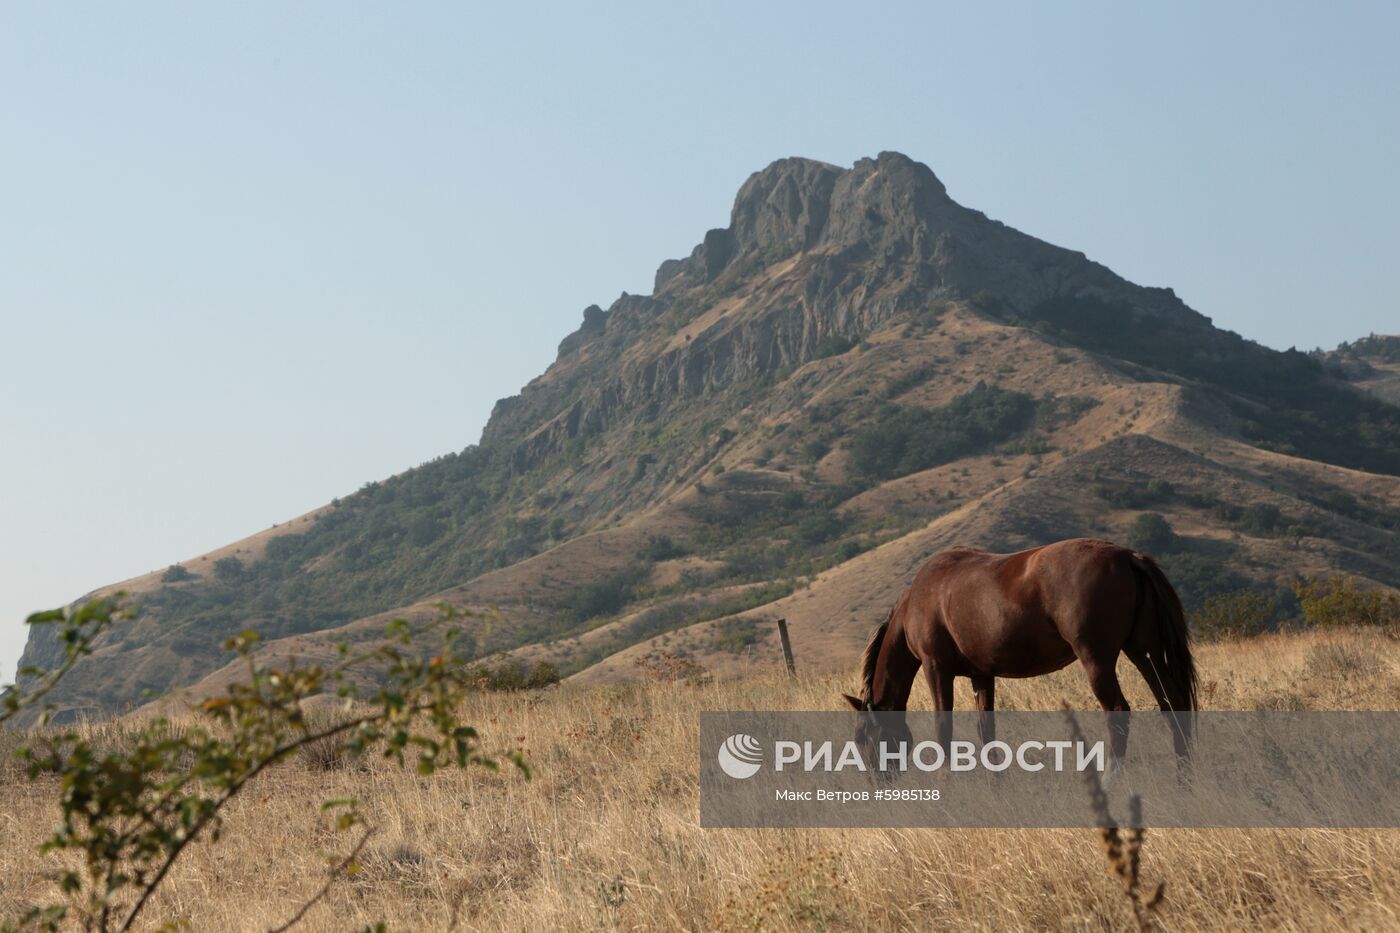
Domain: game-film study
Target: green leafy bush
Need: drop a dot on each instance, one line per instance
(850, 548)
(176, 573)
(513, 676)
(230, 570)
(1335, 601)
(1151, 532)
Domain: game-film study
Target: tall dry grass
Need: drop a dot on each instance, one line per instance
(606, 835)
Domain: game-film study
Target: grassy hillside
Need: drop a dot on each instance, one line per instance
(606, 835)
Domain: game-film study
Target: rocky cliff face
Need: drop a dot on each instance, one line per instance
(831, 253)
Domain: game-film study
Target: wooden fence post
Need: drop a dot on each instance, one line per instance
(787, 647)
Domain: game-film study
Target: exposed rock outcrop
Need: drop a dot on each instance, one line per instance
(855, 246)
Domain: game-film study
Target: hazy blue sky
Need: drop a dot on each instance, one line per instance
(252, 257)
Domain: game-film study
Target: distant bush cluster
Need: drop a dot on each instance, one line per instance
(513, 676)
(606, 596)
(906, 440)
(1313, 602)
(1260, 519)
(659, 548)
(1235, 614)
(1256, 519)
(1337, 601)
(735, 635)
(1136, 495)
(176, 573)
(763, 536)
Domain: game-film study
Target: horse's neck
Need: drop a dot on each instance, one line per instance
(895, 670)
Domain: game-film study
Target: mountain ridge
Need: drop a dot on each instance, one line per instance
(786, 209)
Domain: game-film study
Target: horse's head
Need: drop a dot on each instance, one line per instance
(875, 726)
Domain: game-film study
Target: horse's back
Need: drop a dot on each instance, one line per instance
(1078, 573)
(1072, 560)
(1022, 613)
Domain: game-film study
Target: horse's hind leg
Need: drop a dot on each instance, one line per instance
(1103, 680)
(984, 688)
(1145, 667)
(1151, 671)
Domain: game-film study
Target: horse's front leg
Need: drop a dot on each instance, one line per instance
(940, 687)
(984, 688)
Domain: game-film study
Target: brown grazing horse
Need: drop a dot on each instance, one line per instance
(973, 614)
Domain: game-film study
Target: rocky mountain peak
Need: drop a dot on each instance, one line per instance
(784, 207)
(797, 204)
(876, 238)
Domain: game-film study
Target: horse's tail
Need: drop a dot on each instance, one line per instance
(1177, 670)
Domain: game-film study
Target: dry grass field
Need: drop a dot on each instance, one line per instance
(606, 836)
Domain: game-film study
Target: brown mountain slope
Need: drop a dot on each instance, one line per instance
(854, 373)
(1135, 431)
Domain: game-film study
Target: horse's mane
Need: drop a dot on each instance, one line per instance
(870, 658)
